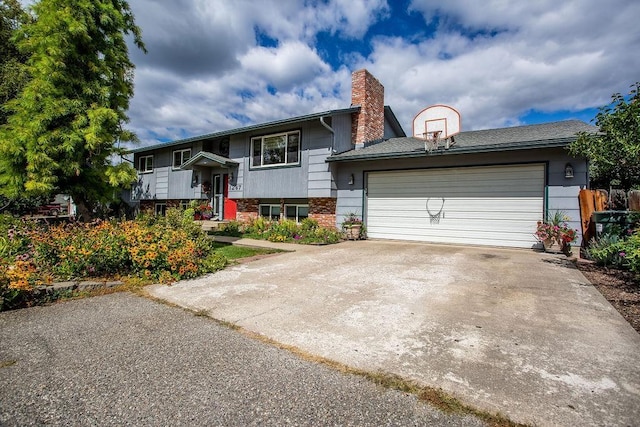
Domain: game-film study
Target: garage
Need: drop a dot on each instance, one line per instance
(487, 205)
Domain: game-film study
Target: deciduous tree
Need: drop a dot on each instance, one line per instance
(614, 152)
(66, 125)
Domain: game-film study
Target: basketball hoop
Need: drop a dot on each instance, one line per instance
(435, 218)
(432, 140)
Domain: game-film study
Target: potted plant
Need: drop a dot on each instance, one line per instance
(206, 211)
(556, 231)
(352, 226)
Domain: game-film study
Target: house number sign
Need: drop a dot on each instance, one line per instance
(236, 187)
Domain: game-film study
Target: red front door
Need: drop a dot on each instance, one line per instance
(230, 207)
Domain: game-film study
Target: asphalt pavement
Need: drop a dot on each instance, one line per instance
(122, 359)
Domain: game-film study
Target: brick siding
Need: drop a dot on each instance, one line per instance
(247, 209)
(323, 210)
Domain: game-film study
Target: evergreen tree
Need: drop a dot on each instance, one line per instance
(66, 125)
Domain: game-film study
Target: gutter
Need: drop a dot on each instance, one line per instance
(556, 143)
(333, 134)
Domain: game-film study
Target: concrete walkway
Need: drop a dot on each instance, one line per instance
(514, 331)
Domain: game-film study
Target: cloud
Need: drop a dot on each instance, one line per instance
(215, 64)
(494, 63)
(285, 67)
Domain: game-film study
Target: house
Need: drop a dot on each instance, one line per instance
(441, 184)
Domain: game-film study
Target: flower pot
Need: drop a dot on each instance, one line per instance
(353, 231)
(551, 245)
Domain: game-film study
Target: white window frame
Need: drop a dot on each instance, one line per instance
(182, 157)
(270, 205)
(161, 209)
(297, 206)
(260, 140)
(146, 168)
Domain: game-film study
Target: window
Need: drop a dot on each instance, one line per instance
(161, 209)
(276, 150)
(145, 164)
(181, 156)
(271, 212)
(296, 212)
(184, 204)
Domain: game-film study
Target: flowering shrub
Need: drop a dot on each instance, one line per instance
(614, 251)
(285, 230)
(162, 249)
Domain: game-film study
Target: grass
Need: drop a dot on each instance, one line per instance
(232, 252)
(7, 363)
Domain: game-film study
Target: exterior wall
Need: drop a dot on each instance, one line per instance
(311, 178)
(368, 92)
(247, 209)
(562, 193)
(341, 125)
(323, 210)
(164, 182)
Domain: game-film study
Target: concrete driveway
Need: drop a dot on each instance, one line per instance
(510, 331)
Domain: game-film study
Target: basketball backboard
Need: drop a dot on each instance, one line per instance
(437, 121)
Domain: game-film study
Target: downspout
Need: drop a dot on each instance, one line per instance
(333, 134)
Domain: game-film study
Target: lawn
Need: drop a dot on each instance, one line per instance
(232, 252)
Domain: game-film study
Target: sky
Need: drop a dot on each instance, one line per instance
(214, 65)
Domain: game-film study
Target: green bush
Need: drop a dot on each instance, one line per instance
(611, 250)
(231, 228)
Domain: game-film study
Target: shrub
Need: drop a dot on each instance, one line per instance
(231, 228)
(611, 250)
(154, 248)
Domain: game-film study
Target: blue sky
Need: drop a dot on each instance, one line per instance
(218, 64)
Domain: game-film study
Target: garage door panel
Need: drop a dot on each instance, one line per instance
(482, 205)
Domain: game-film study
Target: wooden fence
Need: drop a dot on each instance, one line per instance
(598, 200)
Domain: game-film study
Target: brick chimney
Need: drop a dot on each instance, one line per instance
(368, 124)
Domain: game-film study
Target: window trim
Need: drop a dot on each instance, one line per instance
(173, 157)
(163, 208)
(297, 206)
(145, 170)
(261, 138)
(271, 205)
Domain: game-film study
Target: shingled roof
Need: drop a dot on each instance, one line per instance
(546, 135)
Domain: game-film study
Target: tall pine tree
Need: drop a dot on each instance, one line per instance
(66, 125)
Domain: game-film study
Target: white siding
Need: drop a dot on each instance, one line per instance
(497, 205)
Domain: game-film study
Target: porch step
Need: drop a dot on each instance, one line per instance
(209, 225)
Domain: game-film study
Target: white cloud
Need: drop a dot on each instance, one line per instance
(285, 67)
(492, 60)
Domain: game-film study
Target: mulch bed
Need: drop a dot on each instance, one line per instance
(621, 288)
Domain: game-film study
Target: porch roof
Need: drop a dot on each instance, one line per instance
(206, 159)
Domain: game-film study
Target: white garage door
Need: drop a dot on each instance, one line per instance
(496, 205)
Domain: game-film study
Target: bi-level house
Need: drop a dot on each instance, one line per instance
(440, 184)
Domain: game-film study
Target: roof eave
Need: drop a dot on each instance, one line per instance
(555, 143)
(249, 128)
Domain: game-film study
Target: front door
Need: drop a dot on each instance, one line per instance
(218, 194)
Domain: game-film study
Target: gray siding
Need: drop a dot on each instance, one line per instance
(562, 192)
(341, 125)
(312, 178)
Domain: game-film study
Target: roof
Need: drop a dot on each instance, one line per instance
(546, 135)
(250, 128)
(204, 158)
